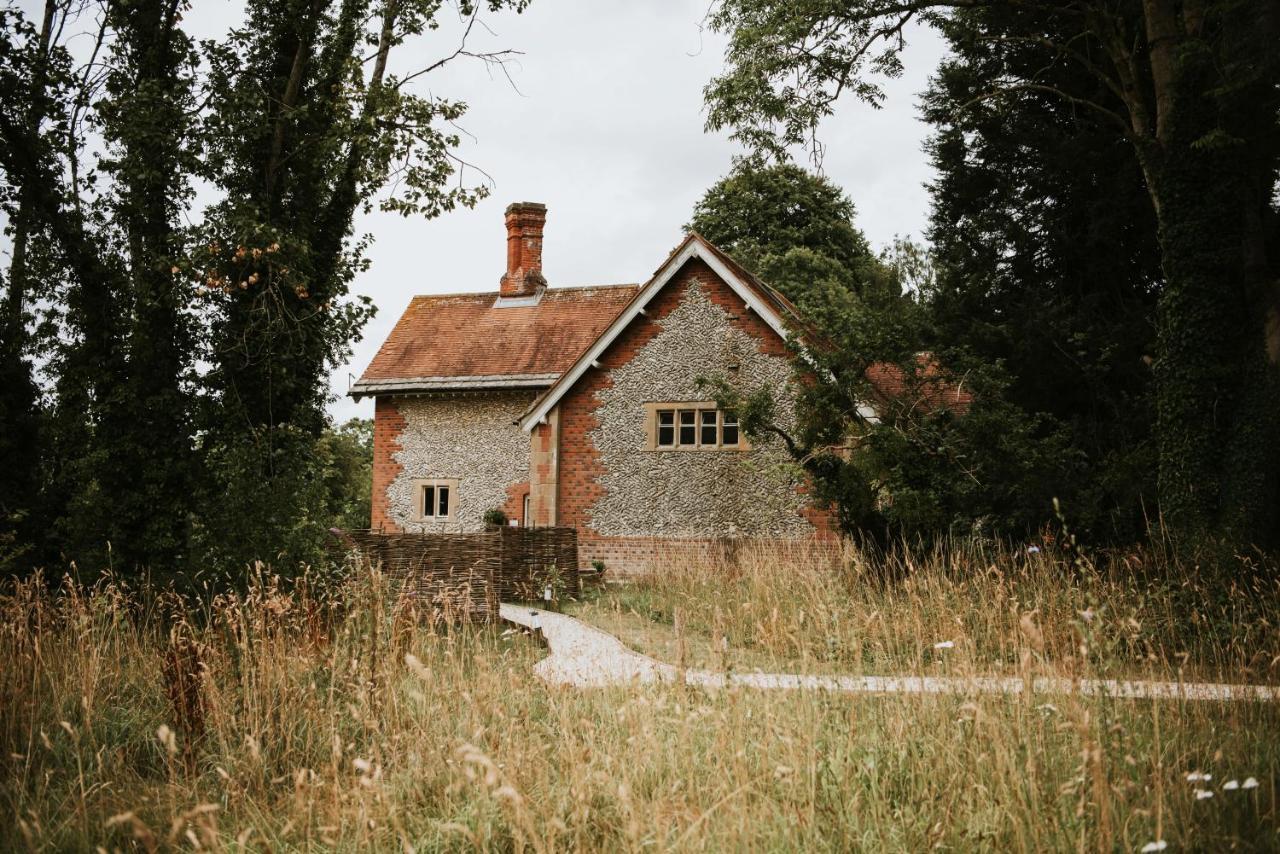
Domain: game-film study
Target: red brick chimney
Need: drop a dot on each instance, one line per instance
(524, 250)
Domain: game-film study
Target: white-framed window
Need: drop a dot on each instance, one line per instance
(690, 426)
(435, 498)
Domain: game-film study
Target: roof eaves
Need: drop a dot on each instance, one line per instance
(418, 385)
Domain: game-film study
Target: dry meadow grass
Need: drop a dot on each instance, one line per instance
(333, 718)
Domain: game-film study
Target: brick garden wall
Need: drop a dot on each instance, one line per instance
(630, 556)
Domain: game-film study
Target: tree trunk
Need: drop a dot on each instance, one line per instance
(1217, 394)
(19, 395)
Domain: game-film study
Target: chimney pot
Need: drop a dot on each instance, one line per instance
(523, 278)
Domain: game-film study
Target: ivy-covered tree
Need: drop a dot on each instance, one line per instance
(184, 366)
(1193, 90)
(123, 392)
(309, 124)
(24, 73)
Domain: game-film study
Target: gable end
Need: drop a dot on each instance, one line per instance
(692, 247)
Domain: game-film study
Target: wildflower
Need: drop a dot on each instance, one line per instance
(944, 645)
(1033, 550)
(1086, 615)
(1203, 794)
(1250, 783)
(1158, 845)
(1199, 777)
(1230, 785)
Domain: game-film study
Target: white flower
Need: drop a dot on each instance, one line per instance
(1033, 550)
(1230, 785)
(1086, 615)
(1158, 845)
(1202, 794)
(1199, 777)
(1250, 783)
(944, 645)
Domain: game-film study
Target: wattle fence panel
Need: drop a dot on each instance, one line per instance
(471, 573)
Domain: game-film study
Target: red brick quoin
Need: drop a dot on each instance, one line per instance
(388, 424)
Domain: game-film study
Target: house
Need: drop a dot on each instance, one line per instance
(580, 406)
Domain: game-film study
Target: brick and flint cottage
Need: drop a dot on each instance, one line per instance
(580, 406)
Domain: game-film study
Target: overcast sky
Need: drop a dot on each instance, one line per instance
(607, 131)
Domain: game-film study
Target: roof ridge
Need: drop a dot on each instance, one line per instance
(550, 289)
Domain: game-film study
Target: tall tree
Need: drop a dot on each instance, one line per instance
(1195, 95)
(121, 409)
(1049, 262)
(147, 120)
(310, 123)
(23, 88)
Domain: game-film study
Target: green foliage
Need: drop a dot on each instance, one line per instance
(495, 516)
(345, 454)
(756, 209)
(923, 464)
(1195, 100)
(791, 227)
(1048, 264)
(187, 365)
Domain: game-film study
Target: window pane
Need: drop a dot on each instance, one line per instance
(688, 427)
(666, 427)
(428, 501)
(444, 501)
(708, 433)
(729, 429)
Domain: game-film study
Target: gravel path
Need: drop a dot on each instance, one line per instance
(583, 656)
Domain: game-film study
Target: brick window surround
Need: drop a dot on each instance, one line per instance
(693, 425)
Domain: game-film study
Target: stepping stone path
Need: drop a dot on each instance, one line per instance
(583, 656)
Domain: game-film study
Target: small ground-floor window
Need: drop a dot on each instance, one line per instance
(436, 498)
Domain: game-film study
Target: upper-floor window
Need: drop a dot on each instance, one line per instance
(685, 426)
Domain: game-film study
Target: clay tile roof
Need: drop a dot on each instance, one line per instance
(472, 341)
(934, 387)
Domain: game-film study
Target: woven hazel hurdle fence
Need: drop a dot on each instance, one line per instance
(471, 573)
(531, 559)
